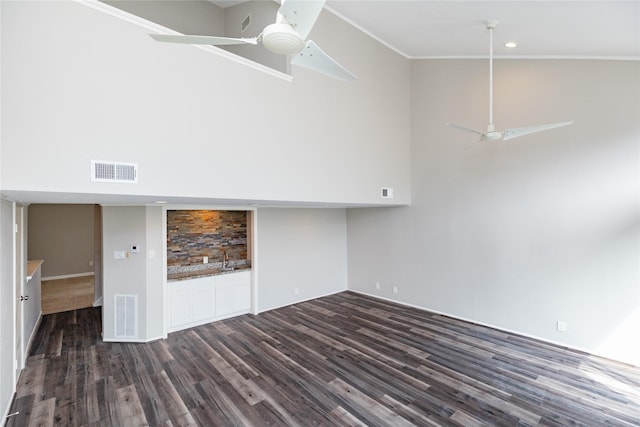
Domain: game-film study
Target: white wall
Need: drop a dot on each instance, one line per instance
(303, 249)
(121, 228)
(198, 124)
(524, 233)
(7, 299)
(155, 273)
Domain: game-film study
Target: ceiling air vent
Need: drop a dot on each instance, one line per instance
(102, 171)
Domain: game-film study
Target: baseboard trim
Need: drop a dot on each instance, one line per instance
(302, 300)
(132, 340)
(27, 348)
(509, 331)
(68, 276)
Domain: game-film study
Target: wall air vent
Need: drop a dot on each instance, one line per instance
(245, 23)
(102, 171)
(126, 316)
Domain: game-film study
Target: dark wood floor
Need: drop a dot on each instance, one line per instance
(345, 359)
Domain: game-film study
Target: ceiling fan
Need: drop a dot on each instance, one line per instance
(492, 134)
(294, 21)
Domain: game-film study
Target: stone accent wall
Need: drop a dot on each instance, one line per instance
(194, 234)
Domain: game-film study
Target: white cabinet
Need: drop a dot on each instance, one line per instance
(193, 302)
(233, 294)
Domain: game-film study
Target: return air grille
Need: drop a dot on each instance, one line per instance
(126, 319)
(102, 171)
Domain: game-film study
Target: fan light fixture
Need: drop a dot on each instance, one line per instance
(492, 134)
(294, 21)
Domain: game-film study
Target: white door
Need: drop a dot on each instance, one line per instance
(20, 277)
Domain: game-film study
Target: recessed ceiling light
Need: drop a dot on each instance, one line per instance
(160, 202)
(511, 44)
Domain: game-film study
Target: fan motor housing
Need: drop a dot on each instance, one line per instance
(282, 39)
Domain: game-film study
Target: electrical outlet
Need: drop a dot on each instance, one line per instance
(377, 285)
(395, 289)
(91, 263)
(205, 260)
(561, 326)
(296, 291)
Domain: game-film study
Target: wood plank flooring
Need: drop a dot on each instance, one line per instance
(67, 294)
(344, 359)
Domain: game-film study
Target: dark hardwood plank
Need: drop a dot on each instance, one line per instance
(345, 359)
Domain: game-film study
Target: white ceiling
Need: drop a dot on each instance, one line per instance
(452, 28)
(567, 29)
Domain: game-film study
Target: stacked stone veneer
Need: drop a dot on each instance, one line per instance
(194, 234)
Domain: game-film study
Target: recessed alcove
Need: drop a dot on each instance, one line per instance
(207, 242)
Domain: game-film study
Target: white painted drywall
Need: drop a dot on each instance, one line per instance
(152, 250)
(197, 124)
(121, 228)
(7, 299)
(300, 248)
(524, 233)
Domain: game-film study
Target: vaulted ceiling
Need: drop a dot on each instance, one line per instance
(542, 29)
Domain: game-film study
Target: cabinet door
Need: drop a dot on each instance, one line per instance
(224, 299)
(180, 307)
(202, 303)
(242, 297)
(233, 293)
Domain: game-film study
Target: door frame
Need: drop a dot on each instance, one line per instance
(19, 244)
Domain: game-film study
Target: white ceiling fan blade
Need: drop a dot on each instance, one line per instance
(212, 40)
(462, 128)
(514, 133)
(301, 14)
(314, 58)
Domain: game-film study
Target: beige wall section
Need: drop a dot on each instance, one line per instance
(63, 236)
(522, 233)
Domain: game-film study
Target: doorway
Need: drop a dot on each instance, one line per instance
(67, 237)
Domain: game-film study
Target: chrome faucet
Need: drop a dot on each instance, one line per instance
(225, 262)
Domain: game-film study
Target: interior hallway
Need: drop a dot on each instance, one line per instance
(67, 294)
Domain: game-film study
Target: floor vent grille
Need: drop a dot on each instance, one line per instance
(102, 171)
(126, 319)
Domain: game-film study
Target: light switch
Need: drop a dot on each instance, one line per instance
(119, 255)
